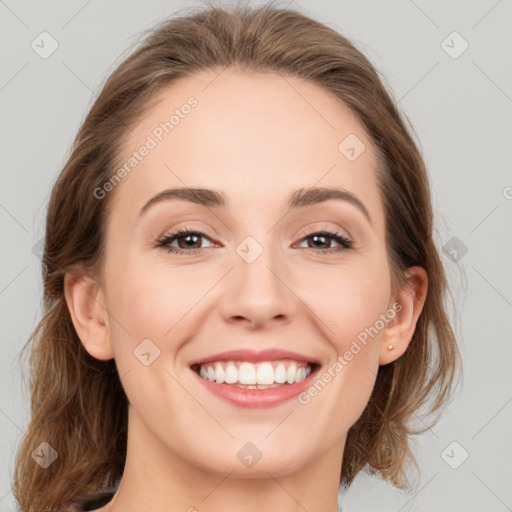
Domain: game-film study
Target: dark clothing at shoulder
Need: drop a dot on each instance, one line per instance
(90, 501)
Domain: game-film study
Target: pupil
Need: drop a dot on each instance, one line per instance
(316, 237)
(188, 237)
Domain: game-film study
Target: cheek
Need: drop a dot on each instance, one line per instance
(151, 300)
(350, 306)
(349, 303)
(350, 299)
(155, 304)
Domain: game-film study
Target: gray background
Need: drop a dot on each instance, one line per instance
(461, 111)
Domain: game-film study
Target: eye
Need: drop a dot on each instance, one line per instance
(190, 237)
(188, 240)
(322, 238)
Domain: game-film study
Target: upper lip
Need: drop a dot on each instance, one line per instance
(271, 354)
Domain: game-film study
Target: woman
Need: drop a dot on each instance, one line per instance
(244, 302)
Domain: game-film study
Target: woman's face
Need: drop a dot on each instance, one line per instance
(265, 277)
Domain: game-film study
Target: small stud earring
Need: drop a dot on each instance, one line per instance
(390, 347)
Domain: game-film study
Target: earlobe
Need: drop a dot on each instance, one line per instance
(85, 301)
(408, 306)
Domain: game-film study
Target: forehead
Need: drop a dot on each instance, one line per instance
(253, 135)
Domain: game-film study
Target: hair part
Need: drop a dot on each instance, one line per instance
(78, 404)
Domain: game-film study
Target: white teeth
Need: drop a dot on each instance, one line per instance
(219, 373)
(300, 375)
(280, 374)
(231, 374)
(247, 374)
(265, 374)
(290, 373)
(255, 376)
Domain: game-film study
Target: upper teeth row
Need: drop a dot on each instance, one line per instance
(260, 373)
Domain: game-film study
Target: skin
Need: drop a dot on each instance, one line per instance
(258, 138)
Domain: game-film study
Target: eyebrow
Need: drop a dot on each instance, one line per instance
(301, 198)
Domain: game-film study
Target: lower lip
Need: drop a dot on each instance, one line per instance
(259, 398)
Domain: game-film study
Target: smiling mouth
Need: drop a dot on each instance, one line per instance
(255, 375)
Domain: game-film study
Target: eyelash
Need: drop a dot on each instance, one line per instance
(165, 241)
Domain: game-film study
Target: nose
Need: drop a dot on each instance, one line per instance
(258, 294)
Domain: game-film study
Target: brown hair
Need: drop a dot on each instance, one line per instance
(78, 404)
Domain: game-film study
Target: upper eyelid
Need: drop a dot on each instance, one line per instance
(205, 232)
(330, 230)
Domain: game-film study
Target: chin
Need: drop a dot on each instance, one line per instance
(247, 459)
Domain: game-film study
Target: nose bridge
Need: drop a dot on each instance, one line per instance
(257, 289)
(256, 262)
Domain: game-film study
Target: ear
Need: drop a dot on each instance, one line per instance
(86, 304)
(407, 306)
